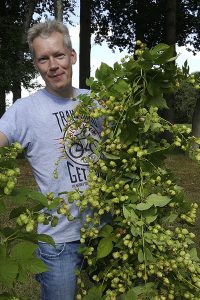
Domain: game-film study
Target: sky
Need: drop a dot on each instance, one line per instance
(104, 54)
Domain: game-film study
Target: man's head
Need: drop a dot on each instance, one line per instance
(53, 56)
(45, 29)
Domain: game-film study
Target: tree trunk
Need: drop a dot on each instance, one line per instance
(58, 10)
(16, 85)
(140, 27)
(170, 39)
(16, 90)
(2, 101)
(85, 44)
(196, 122)
(170, 23)
(30, 7)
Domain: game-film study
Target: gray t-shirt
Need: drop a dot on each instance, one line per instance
(37, 122)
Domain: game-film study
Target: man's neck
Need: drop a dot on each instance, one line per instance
(64, 93)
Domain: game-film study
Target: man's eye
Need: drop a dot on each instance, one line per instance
(42, 60)
(60, 55)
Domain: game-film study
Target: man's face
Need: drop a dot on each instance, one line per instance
(54, 62)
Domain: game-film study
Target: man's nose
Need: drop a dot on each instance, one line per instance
(52, 63)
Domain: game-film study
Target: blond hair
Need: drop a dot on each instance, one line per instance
(45, 29)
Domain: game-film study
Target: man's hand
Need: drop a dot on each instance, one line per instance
(3, 140)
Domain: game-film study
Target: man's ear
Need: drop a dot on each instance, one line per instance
(73, 57)
(35, 65)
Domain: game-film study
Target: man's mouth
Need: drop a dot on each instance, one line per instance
(56, 76)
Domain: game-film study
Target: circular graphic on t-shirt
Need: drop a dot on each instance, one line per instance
(81, 147)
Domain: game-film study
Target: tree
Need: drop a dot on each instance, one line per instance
(142, 251)
(170, 39)
(85, 45)
(58, 9)
(15, 19)
(196, 113)
(121, 23)
(185, 101)
(17, 68)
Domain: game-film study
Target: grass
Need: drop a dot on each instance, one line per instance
(186, 171)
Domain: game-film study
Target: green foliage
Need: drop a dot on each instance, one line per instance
(16, 17)
(146, 249)
(18, 242)
(121, 23)
(185, 100)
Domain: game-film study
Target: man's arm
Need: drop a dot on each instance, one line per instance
(3, 140)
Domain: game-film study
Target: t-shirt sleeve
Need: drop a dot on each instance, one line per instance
(14, 124)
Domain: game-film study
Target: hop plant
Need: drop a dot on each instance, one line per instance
(145, 248)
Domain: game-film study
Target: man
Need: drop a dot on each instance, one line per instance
(37, 122)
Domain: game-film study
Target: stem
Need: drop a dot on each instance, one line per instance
(11, 237)
(142, 228)
(143, 246)
(189, 283)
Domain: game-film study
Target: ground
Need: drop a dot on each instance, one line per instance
(188, 176)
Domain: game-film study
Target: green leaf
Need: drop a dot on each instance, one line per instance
(164, 56)
(54, 204)
(130, 295)
(106, 231)
(5, 296)
(35, 266)
(148, 255)
(17, 211)
(110, 156)
(89, 81)
(23, 250)
(22, 276)
(147, 123)
(105, 73)
(121, 86)
(140, 223)
(147, 55)
(95, 293)
(151, 218)
(158, 200)
(8, 231)
(21, 195)
(140, 256)
(194, 255)
(132, 197)
(145, 64)
(45, 239)
(149, 289)
(150, 215)
(104, 248)
(126, 212)
(133, 216)
(8, 271)
(154, 88)
(143, 206)
(34, 237)
(170, 218)
(39, 197)
(139, 290)
(159, 48)
(172, 59)
(136, 231)
(129, 133)
(157, 100)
